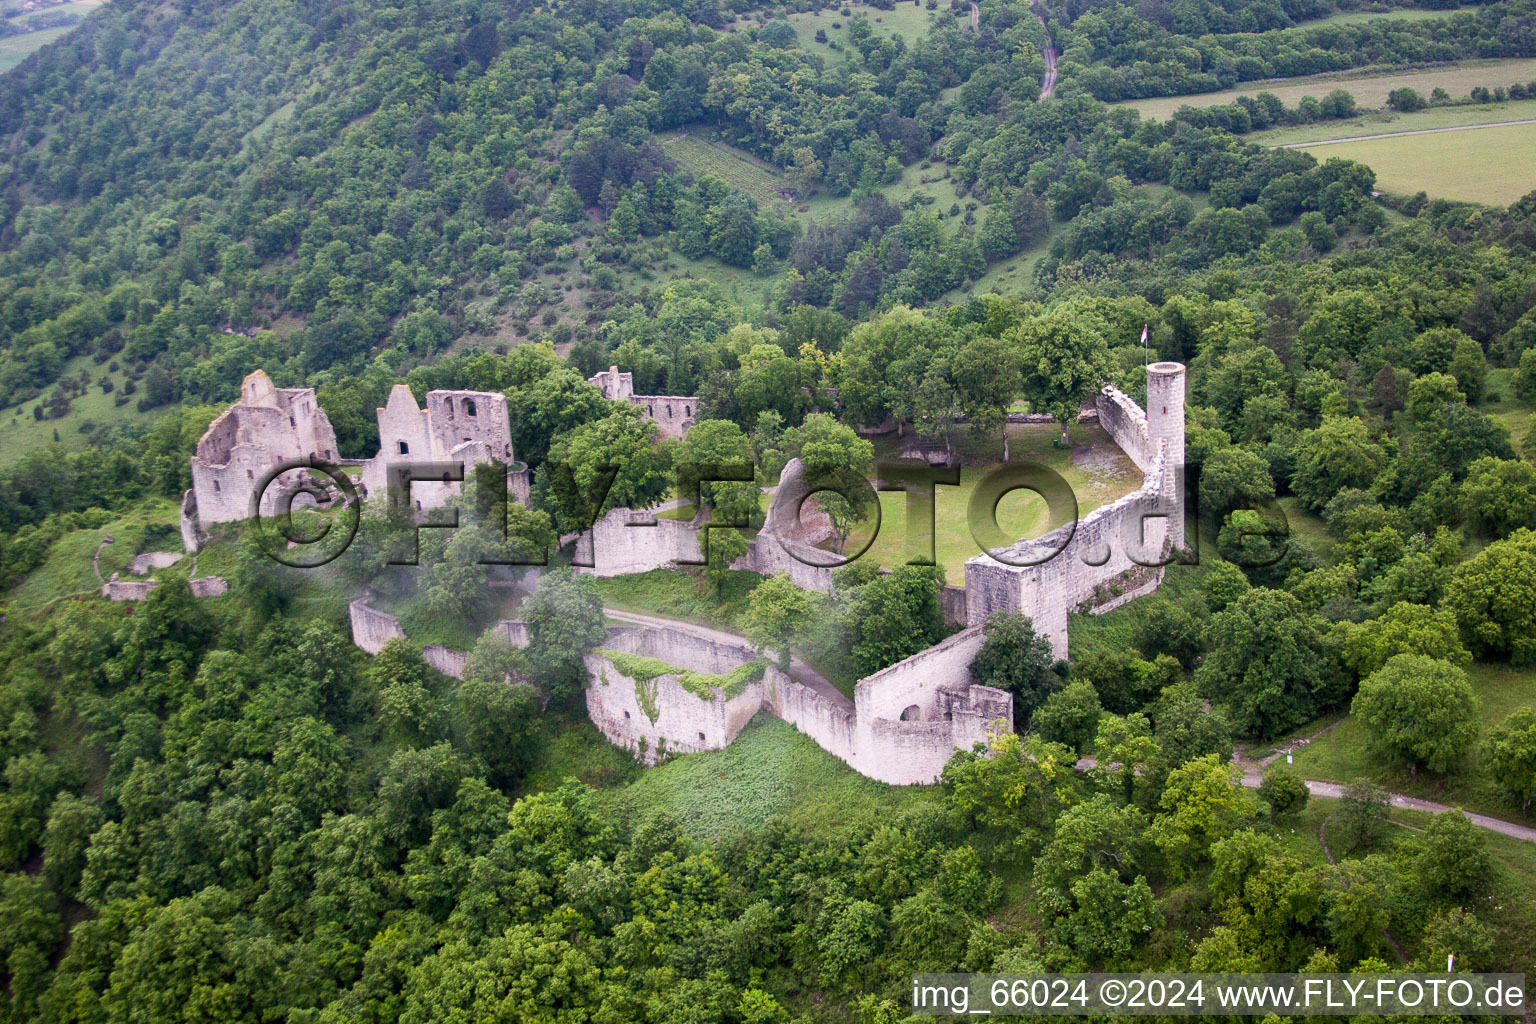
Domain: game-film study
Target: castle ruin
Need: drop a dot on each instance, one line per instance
(904, 722)
(269, 427)
(672, 414)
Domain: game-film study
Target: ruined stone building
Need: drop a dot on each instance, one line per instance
(267, 427)
(465, 427)
(672, 414)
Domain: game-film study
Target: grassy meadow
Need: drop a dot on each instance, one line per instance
(1369, 88)
(1484, 165)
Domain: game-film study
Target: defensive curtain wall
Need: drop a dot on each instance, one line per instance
(1111, 555)
(1117, 547)
(646, 693)
(904, 722)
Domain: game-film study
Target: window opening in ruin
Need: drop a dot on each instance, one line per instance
(250, 474)
(701, 737)
(913, 713)
(626, 714)
(216, 487)
(469, 406)
(687, 410)
(405, 449)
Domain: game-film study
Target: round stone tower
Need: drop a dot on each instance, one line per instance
(1165, 422)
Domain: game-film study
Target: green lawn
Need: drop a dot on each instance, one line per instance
(677, 594)
(1370, 88)
(771, 769)
(1307, 528)
(1508, 410)
(1495, 166)
(149, 526)
(1342, 756)
(1096, 470)
(908, 19)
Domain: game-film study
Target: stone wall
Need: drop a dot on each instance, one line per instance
(372, 629)
(1047, 577)
(626, 541)
(672, 414)
(445, 659)
(944, 710)
(623, 709)
(191, 531)
(465, 427)
(265, 428)
(127, 590)
(208, 586)
(1126, 423)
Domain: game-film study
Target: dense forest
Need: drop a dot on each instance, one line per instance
(221, 810)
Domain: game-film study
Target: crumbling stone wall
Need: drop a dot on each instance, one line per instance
(266, 427)
(468, 427)
(1047, 577)
(870, 734)
(371, 628)
(672, 414)
(626, 541)
(191, 530)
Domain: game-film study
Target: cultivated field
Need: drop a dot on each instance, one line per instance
(1369, 89)
(1365, 17)
(1429, 119)
(701, 156)
(1483, 165)
(15, 49)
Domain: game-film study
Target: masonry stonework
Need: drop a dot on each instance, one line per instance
(672, 414)
(272, 426)
(267, 427)
(906, 721)
(1122, 544)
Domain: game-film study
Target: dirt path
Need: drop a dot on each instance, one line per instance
(1048, 84)
(1335, 790)
(798, 670)
(975, 18)
(1418, 131)
(1252, 778)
